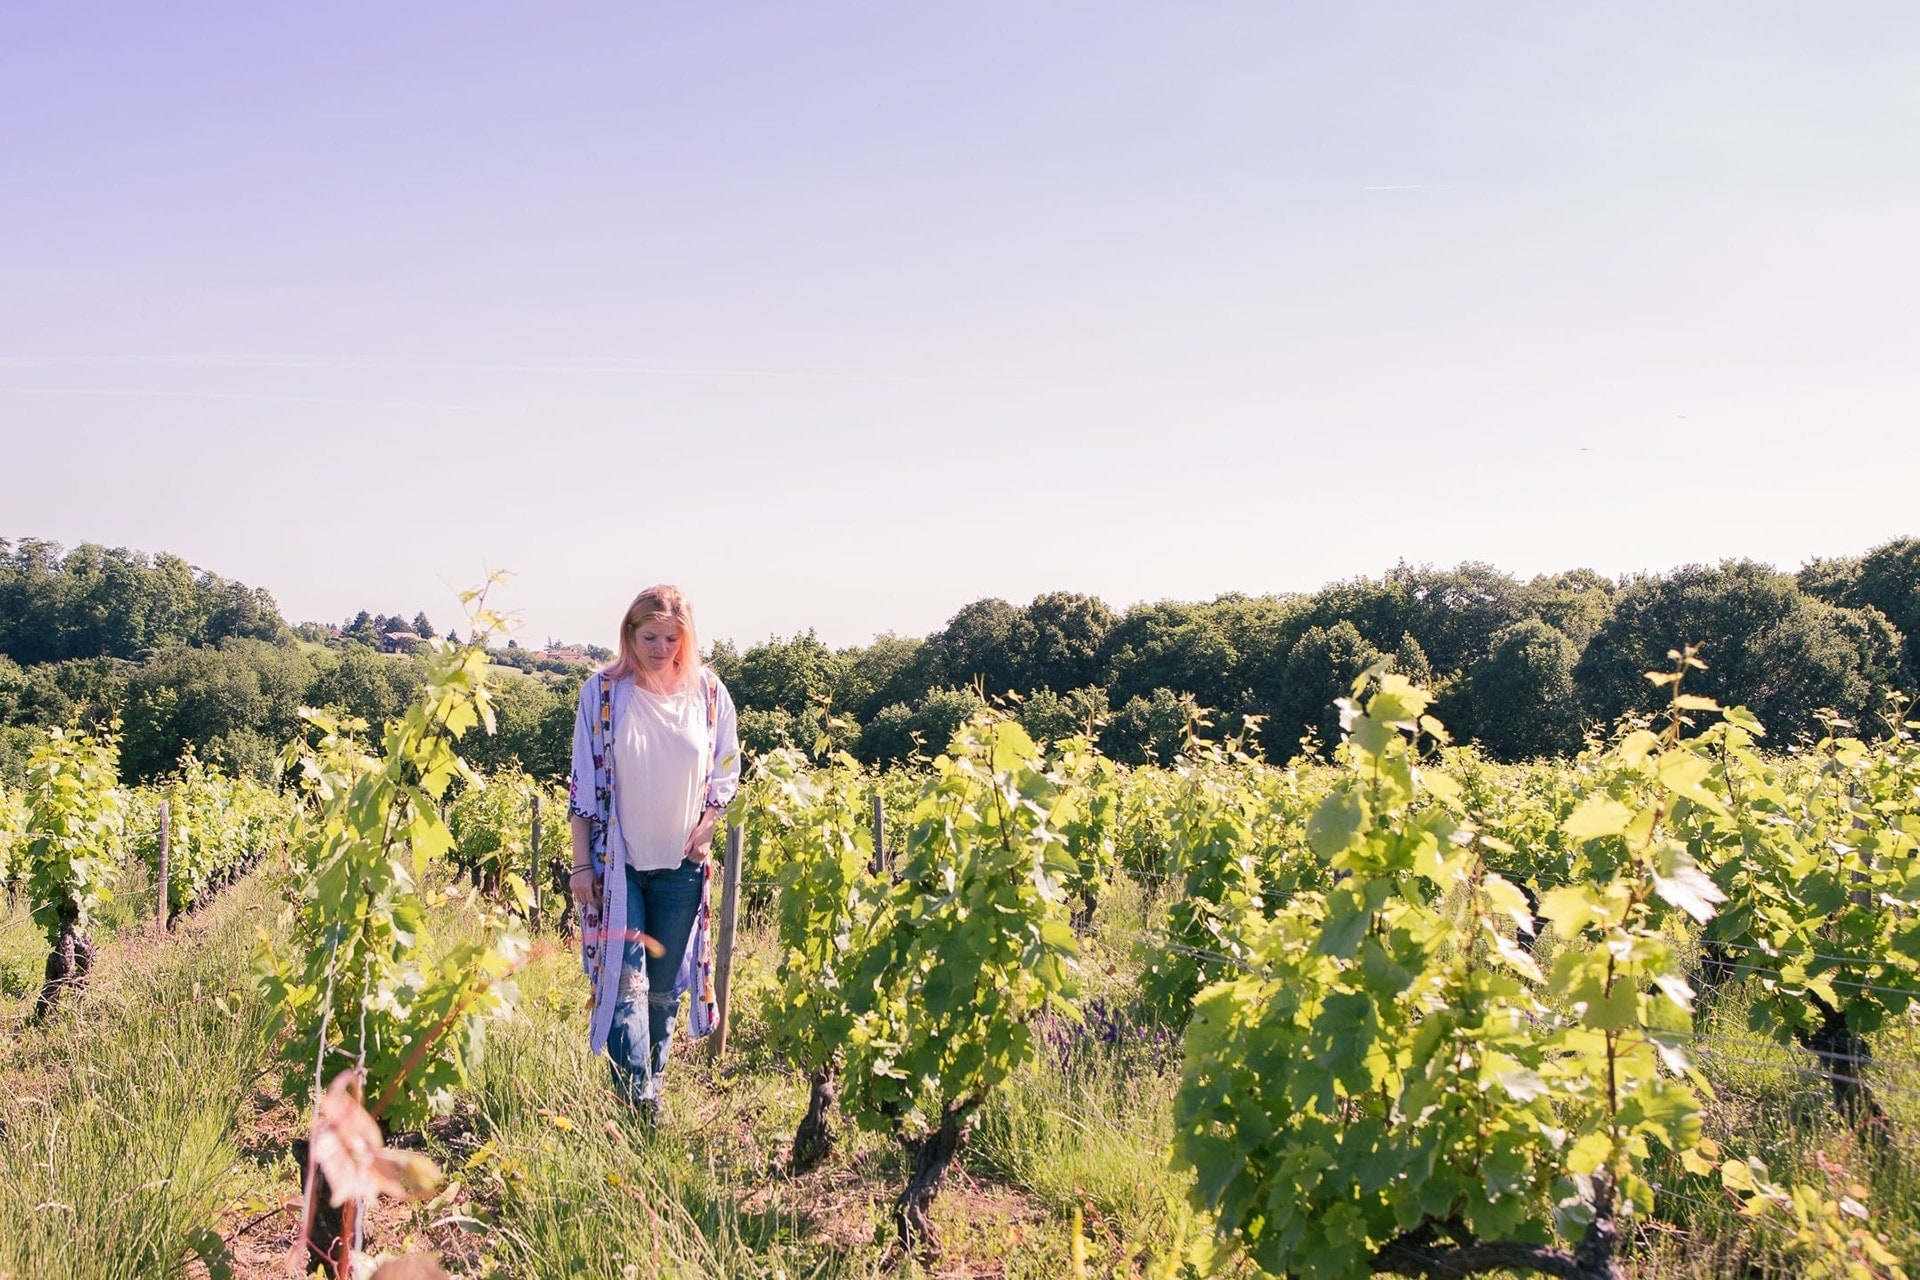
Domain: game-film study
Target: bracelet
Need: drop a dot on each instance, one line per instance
(578, 870)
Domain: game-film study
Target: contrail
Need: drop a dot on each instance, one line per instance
(136, 393)
(584, 365)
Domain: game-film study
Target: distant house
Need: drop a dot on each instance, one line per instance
(401, 641)
(562, 653)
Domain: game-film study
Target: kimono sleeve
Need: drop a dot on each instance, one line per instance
(723, 783)
(581, 801)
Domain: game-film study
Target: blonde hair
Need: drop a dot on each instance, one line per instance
(667, 604)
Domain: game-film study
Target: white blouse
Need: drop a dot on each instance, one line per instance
(661, 754)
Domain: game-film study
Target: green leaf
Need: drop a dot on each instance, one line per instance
(1397, 702)
(1347, 921)
(1684, 772)
(1383, 976)
(1336, 822)
(1505, 898)
(1371, 735)
(1343, 1035)
(1582, 983)
(1589, 1153)
(1575, 907)
(1598, 817)
(1442, 786)
(1636, 747)
(1522, 1085)
(1516, 958)
(1666, 1109)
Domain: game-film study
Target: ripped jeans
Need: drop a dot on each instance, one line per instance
(661, 904)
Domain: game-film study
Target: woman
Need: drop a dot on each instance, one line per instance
(655, 761)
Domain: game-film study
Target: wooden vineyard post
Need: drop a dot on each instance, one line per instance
(879, 835)
(533, 872)
(160, 876)
(723, 951)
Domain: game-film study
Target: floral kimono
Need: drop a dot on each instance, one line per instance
(603, 928)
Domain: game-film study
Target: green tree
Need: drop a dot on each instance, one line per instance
(94, 602)
(1320, 667)
(985, 642)
(724, 658)
(1887, 578)
(1179, 647)
(1768, 645)
(898, 733)
(1576, 603)
(941, 714)
(1152, 728)
(32, 695)
(360, 629)
(1521, 696)
(220, 702)
(1050, 717)
(1410, 660)
(1452, 613)
(533, 726)
(888, 736)
(893, 669)
(1066, 632)
(795, 676)
(358, 682)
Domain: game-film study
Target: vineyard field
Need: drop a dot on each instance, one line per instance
(1647, 1012)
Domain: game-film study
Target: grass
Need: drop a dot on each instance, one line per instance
(142, 1132)
(123, 1113)
(23, 948)
(1770, 1102)
(570, 1183)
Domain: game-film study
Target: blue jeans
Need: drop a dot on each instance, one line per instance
(661, 904)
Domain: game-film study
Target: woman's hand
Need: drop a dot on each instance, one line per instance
(700, 842)
(580, 885)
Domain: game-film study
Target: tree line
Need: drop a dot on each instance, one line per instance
(185, 657)
(1525, 668)
(181, 657)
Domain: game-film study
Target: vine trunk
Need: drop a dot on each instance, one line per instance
(1843, 1055)
(68, 965)
(813, 1140)
(1420, 1254)
(326, 1221)
(932, 1155)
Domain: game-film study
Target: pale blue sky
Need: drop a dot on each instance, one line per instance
(841, 315)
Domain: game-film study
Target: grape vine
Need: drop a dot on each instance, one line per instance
(817, 821)
(970, 944)
(364, 987)
(74, 811)
(1394, 1084)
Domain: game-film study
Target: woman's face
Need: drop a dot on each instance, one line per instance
(656, 640)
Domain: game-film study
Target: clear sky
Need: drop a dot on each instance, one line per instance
(841, 315)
